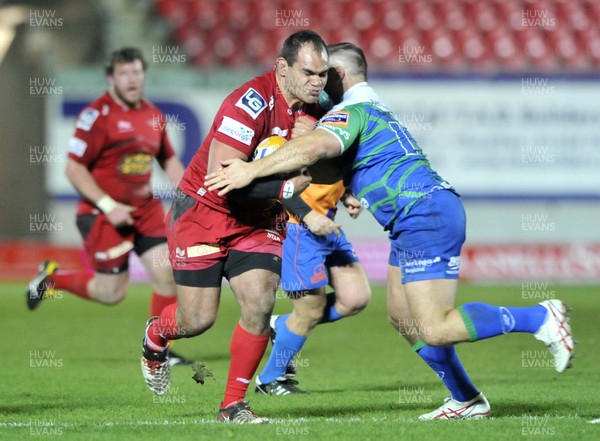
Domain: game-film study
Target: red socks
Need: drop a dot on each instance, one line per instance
(246, 352)
(158, 303)
(74, 282)
(163, 329)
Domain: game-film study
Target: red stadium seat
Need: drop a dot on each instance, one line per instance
(564, 45)
(426, 19)
(326, 14)
(593, 50)
(476, 49)
(592, 8)
(506, 50)
(452, 14)
(483, 35)
(444, 50)
(393, 17)
(364, 19)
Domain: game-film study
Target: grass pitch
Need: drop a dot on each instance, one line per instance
(70, 370)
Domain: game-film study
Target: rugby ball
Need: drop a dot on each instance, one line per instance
(268, 146)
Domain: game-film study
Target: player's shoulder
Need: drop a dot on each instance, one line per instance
(264, 84)
(95, 110)
(150, 106)
(254, 96)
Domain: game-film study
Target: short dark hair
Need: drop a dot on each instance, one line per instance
(293, 44)
(124, 55)
(357, 57)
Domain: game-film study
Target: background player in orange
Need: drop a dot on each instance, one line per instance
(211, 237)
(110, 159)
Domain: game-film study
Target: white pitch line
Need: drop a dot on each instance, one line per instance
(596, 421)
(274, 421)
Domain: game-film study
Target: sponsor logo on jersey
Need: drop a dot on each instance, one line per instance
(124, 126)
(419, 265)
(336, 119)
(252, 103)
(319, 274)
(453, 265)
(87, 118)
(279, 132)
(337, 131)
(77, 146)
(236, 130)
(202, 250)
(136, 164)
(273, 236)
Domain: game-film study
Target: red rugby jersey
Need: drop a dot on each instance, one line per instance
(247, 116)
(118, 144)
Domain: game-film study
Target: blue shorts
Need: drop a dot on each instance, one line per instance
(307, 257)
(426, 242)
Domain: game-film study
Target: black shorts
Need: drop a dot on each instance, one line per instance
(235, 263)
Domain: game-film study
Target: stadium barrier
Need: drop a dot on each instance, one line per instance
(518, 263)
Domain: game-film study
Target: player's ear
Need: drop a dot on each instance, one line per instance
(341, 72)
(281, 66)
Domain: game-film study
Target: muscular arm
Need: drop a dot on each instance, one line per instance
(220, 152)
(316, 222)
(297, 207)
(85, 184)
(83, 181)
(293, 155)
(297, 153)
(264, 189)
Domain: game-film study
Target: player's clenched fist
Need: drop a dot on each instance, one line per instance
(320, 224)
(300, 183)
(303, 125)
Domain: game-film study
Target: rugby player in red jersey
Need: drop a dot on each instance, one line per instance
(240, 236)
(117, 137)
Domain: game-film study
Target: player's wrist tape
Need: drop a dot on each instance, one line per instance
(106, 204)
(297, 207)
(287, 191)
(264, 188)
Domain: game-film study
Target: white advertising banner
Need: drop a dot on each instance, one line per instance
(527, 136)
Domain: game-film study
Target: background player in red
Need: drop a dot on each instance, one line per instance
(237, 237)
(116, 139)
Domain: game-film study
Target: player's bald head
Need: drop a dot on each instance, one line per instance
(350, 57)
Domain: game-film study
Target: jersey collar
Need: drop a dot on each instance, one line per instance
(359, 93)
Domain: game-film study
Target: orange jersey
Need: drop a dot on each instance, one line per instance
(326, 188)
(322, 198)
